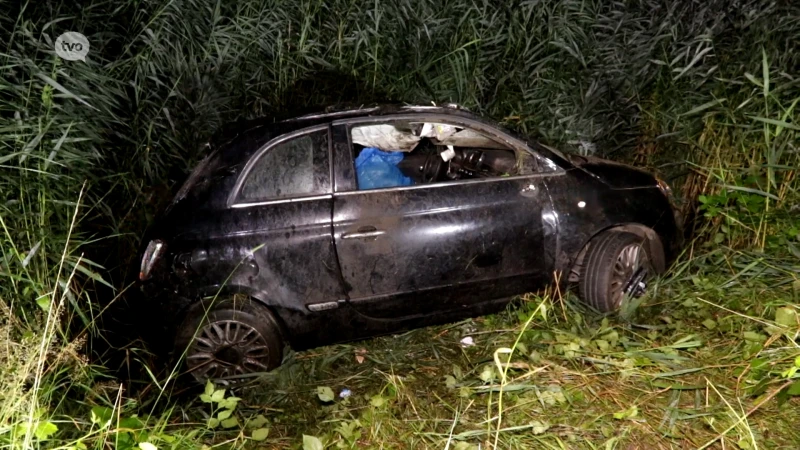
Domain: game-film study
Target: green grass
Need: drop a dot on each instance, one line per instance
(703, 93)
(678, 375)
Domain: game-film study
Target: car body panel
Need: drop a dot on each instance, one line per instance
(447, 251)
(577, 204)
(429, 238)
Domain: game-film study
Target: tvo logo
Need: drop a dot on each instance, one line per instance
(72, 46)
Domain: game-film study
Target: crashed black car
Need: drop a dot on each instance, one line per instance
(344, 225)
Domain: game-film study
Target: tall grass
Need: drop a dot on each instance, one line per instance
(704, 92)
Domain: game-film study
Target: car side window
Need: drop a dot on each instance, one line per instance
(292, 168)
(405, 153)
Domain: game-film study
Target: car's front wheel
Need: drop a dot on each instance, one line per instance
(616, 269)
(230, 340)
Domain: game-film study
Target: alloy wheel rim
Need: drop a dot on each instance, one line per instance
(227, 348)
(630, 274)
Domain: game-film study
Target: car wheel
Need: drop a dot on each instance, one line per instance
(616, 269)
(233, 339)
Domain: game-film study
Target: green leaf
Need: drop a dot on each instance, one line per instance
(794, 250)
(213, 422)
(765, 71)
(758, 363)
(777, 123)
(131, 422)
(257, 422)
(218, 395)
(487, 374)
(377, 401)
(786, 317)
(539, 427)
(125, 440)
(230, 423)
(750, 191)
(678, 386)
(312, 443)
(209, 388)
(44, 303)
(754, 337)
(44, 430)
(64, 90)
(260, 434)
(676, 373)
(703, 107)
(794, 389)
(224, 414)
(229, 403)
(325, 394)
(710, 324)
(753, 79)
(450, 381)
(631, 412)
(101, 415)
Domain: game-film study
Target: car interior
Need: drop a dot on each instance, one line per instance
(413, 153)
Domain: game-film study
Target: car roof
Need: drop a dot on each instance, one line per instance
(286, 123)
(264, 129)
(336, 113)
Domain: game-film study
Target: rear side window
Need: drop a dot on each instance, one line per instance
(293, 168)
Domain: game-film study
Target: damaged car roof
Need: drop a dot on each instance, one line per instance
(293, 121)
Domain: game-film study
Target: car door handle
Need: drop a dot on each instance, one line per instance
(363, 232)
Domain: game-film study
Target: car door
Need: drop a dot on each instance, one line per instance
(280, 210)
(416, 250)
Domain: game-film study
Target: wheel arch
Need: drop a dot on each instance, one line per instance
(654, 243)
(259, 297)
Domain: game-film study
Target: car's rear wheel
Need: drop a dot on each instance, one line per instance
(234, 339)
(617, 267)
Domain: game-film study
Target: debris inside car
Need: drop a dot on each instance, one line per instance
(426, 153)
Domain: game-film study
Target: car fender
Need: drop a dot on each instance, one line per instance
(586, 208)
(655, 246)
(279, 312)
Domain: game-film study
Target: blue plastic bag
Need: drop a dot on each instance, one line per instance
(377, 169)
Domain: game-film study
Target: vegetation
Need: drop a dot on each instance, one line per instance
(705, 93)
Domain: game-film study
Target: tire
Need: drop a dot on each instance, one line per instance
(234, 339)
(617, 266)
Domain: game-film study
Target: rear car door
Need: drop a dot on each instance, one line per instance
(281, 211)
(438, 247)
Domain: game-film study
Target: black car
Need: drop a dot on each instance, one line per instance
(344, 225)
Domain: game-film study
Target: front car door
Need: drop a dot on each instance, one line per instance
(451, 245)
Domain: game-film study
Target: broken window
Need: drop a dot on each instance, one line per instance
(412, 153)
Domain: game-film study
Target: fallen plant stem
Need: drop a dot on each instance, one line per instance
(749, 413)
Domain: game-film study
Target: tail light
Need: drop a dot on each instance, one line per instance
(153, 252)
(666, 190)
